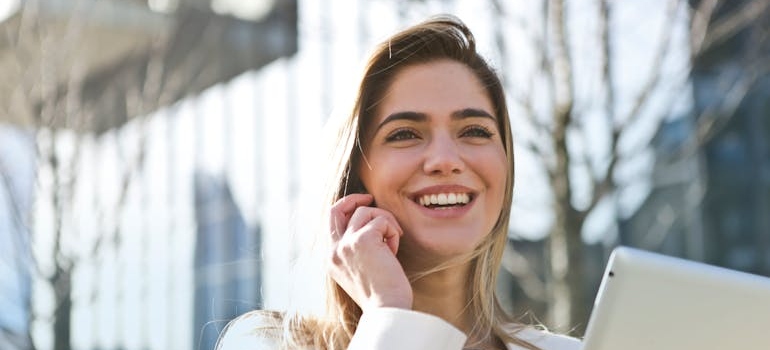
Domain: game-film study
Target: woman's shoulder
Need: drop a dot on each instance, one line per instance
(544, 339)
(255, 330)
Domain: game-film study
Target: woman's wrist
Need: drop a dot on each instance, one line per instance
(398, 302)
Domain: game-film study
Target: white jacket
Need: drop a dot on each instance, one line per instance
(394, 329)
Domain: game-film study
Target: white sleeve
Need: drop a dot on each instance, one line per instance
(393, 328)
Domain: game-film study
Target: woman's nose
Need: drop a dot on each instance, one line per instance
(442, 157)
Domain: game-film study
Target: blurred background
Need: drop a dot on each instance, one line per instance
(160, 160)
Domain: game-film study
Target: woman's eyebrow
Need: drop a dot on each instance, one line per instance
(421, 117)
(472, 112)
(410, 116)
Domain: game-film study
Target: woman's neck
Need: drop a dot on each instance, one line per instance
(445, 294)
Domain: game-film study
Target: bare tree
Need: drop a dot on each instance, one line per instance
(564, 126)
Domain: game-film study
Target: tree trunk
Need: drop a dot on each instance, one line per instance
(62, 285)
(565, 248)
(567, 298)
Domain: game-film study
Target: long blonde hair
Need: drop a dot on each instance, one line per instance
(444, 37)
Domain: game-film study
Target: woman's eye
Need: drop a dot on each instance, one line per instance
(477, 131)
(401, 135)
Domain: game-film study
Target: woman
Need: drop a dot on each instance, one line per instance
(419, 211)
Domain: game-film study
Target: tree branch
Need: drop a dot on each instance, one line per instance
(699, 24)
(606, 77)
(561, 65)
(605, 184)
(562, 98)
(730, 25)
(664, 43)
(715, 118)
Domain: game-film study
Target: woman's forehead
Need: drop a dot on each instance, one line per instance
(437, 87)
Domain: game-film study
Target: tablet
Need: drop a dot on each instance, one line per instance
(651, 301)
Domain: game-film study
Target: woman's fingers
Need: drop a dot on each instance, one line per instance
(351, 213)
(342, 211)
(367, 268)
(377, 225)
(363, 256)
(391, 232)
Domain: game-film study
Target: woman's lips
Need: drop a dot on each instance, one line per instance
(444, 200)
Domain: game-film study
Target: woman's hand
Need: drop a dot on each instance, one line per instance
(363, 258)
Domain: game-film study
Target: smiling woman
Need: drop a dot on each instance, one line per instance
(419, 210)
(434, 136)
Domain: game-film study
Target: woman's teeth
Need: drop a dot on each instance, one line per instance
(444, 199)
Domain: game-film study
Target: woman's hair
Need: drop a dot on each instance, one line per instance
(439, 38)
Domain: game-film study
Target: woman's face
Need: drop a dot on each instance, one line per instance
(435, 159)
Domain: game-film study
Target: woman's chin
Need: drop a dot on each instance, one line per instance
(435, 251)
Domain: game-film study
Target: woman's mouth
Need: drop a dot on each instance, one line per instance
(444, 200)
